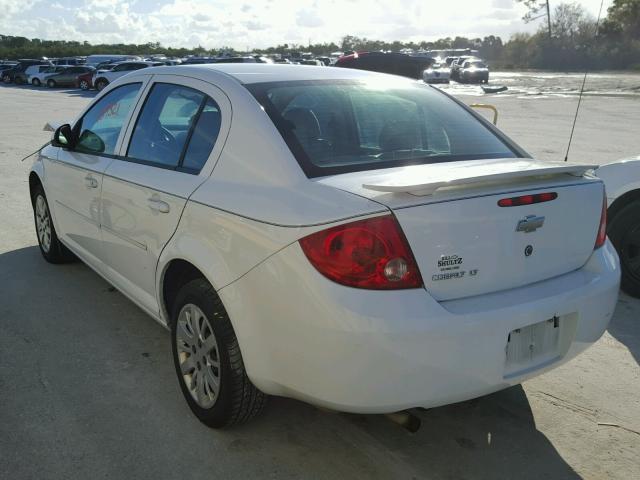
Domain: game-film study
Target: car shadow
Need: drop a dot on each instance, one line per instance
(85, 374)
(625, 325)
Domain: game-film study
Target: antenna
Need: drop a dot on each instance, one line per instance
(584, 80)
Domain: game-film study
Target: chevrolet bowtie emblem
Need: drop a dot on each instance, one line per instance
(529, 224)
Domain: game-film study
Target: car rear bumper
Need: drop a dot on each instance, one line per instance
(305, 337)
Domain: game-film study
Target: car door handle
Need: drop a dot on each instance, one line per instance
(158, 205)
(90, 182)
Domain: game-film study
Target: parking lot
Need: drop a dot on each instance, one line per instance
(88, 390)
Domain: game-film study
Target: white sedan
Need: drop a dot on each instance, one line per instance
(622, 182)
(102, 78)
(355, 240)
(437, 73)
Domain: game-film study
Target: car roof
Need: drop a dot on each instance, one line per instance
(248, 73)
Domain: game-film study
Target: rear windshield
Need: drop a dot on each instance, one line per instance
(336, 127)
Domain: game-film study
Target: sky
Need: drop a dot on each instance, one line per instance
(248, 24)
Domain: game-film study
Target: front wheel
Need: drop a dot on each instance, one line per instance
(207, 359)
(100, 84)
(84, 85)
(51, 248)
(6, 79)
(35, 82)
(624, 232)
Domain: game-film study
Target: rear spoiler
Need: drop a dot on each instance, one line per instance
(451, 177)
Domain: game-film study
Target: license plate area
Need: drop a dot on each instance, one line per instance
(532, 347)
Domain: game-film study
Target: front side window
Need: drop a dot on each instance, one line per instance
(340, 126)
(99, 128)
(176, 128)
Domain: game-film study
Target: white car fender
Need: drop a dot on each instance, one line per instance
(620, 178)
(221, 245)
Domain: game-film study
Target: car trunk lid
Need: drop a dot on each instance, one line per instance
(465, 244)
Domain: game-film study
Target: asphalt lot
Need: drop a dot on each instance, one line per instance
(88, 390)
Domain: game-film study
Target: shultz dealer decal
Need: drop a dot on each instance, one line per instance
(450, 266)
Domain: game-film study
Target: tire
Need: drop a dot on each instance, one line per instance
(100, 84)
(51, 248)
(6, 79)
(51, 83)
(84, 85)
(624, 233)
(36, 82)
(236, 399)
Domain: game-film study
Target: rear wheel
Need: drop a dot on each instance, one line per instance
(6, 79)
(624, 232)
(207, 359)
(84, 85)
(51, 83)
(36, 82)
(51, 248)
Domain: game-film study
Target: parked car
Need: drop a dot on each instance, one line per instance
(67, 77)
(394, 63)
(312, 61)
(199, 60)
(37, 74)
(6, 66)
(437, 73)
(69, 61)
(473, 71)
(85, 81)
(17, 73)
(456, 65)
(238, 60)
(622, 182)
(376, 246)
(93, 60)
(106, 65)
(102, 78)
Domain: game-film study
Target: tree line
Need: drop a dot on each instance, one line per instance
(570, 43)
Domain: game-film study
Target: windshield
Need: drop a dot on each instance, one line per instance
(343, 126)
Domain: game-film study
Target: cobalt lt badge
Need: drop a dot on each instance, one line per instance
(528, 250)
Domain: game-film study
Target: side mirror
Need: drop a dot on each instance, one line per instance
(63, 137)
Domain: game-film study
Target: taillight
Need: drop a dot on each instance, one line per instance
(371, 253)
(602, 230)
(527, 199)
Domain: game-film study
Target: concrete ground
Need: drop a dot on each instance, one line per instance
(88, 390)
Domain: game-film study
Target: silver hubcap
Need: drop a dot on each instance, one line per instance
(198, 355)
(43, 223)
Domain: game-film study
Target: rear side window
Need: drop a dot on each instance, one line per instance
(203, 138)
(176, 128)
(99, 128)
(335, 126)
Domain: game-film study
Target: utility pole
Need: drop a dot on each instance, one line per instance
(549, 18)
